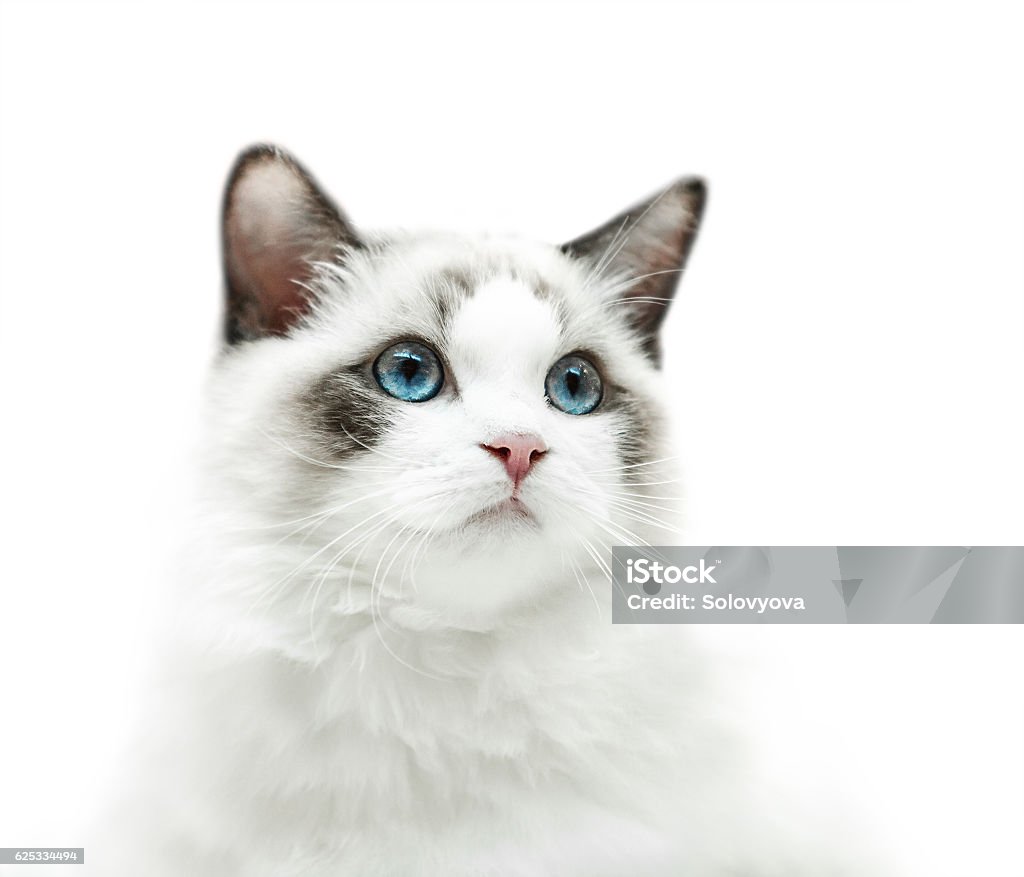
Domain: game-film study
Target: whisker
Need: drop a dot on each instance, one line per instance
(631, 466)
(314, 462)
(407, 460)
(594, 276)
(625, 493)
(336, 558)
(633, 280)
(375, 616)
(411, 562)
(578, 572)
(614, 479)
(636, 222)
(387, 570)
(279, 584)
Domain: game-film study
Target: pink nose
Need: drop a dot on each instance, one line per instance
(518, 453)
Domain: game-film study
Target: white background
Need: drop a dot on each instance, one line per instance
(846, 353)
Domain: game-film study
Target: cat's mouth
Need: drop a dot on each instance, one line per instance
(509, 510)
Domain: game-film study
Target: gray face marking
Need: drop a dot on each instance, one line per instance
(636, 445)
(347, 411)
(548, 294)
(448, 289)
(350, 414)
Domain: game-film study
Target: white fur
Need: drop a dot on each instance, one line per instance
(444, 698)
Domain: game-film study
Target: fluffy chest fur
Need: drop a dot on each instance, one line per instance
(534, 755)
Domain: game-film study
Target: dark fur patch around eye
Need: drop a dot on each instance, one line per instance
(636, 444)
(347, 412)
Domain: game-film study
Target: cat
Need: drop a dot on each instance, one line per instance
(393, 652)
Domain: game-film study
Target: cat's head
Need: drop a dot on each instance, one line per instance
(445, 427)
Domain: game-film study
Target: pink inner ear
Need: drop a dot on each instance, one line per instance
(269, 245)
(276, 272)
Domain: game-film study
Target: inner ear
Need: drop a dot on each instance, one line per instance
(277, 224)
(641, 254)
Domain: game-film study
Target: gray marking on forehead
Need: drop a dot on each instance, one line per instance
(449, 288)
(457, 280)
(467, 280)
(550, 295)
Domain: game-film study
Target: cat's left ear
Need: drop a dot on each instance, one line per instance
(277, 224)
(646, 247)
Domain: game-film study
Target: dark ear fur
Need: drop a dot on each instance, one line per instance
(648, 244)
(276, 223)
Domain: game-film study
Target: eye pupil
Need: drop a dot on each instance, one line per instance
(573, 385)
(408, 367)
(409, 371)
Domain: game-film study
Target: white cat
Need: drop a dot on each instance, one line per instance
(395, 655)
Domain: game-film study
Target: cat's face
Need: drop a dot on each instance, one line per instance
(442, 427)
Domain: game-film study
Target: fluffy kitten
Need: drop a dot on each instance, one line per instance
(395, 653)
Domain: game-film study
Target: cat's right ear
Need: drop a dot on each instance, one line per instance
(645, 248)
(277, 224)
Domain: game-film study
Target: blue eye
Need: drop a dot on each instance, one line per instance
(409, 371)
(573, 385)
